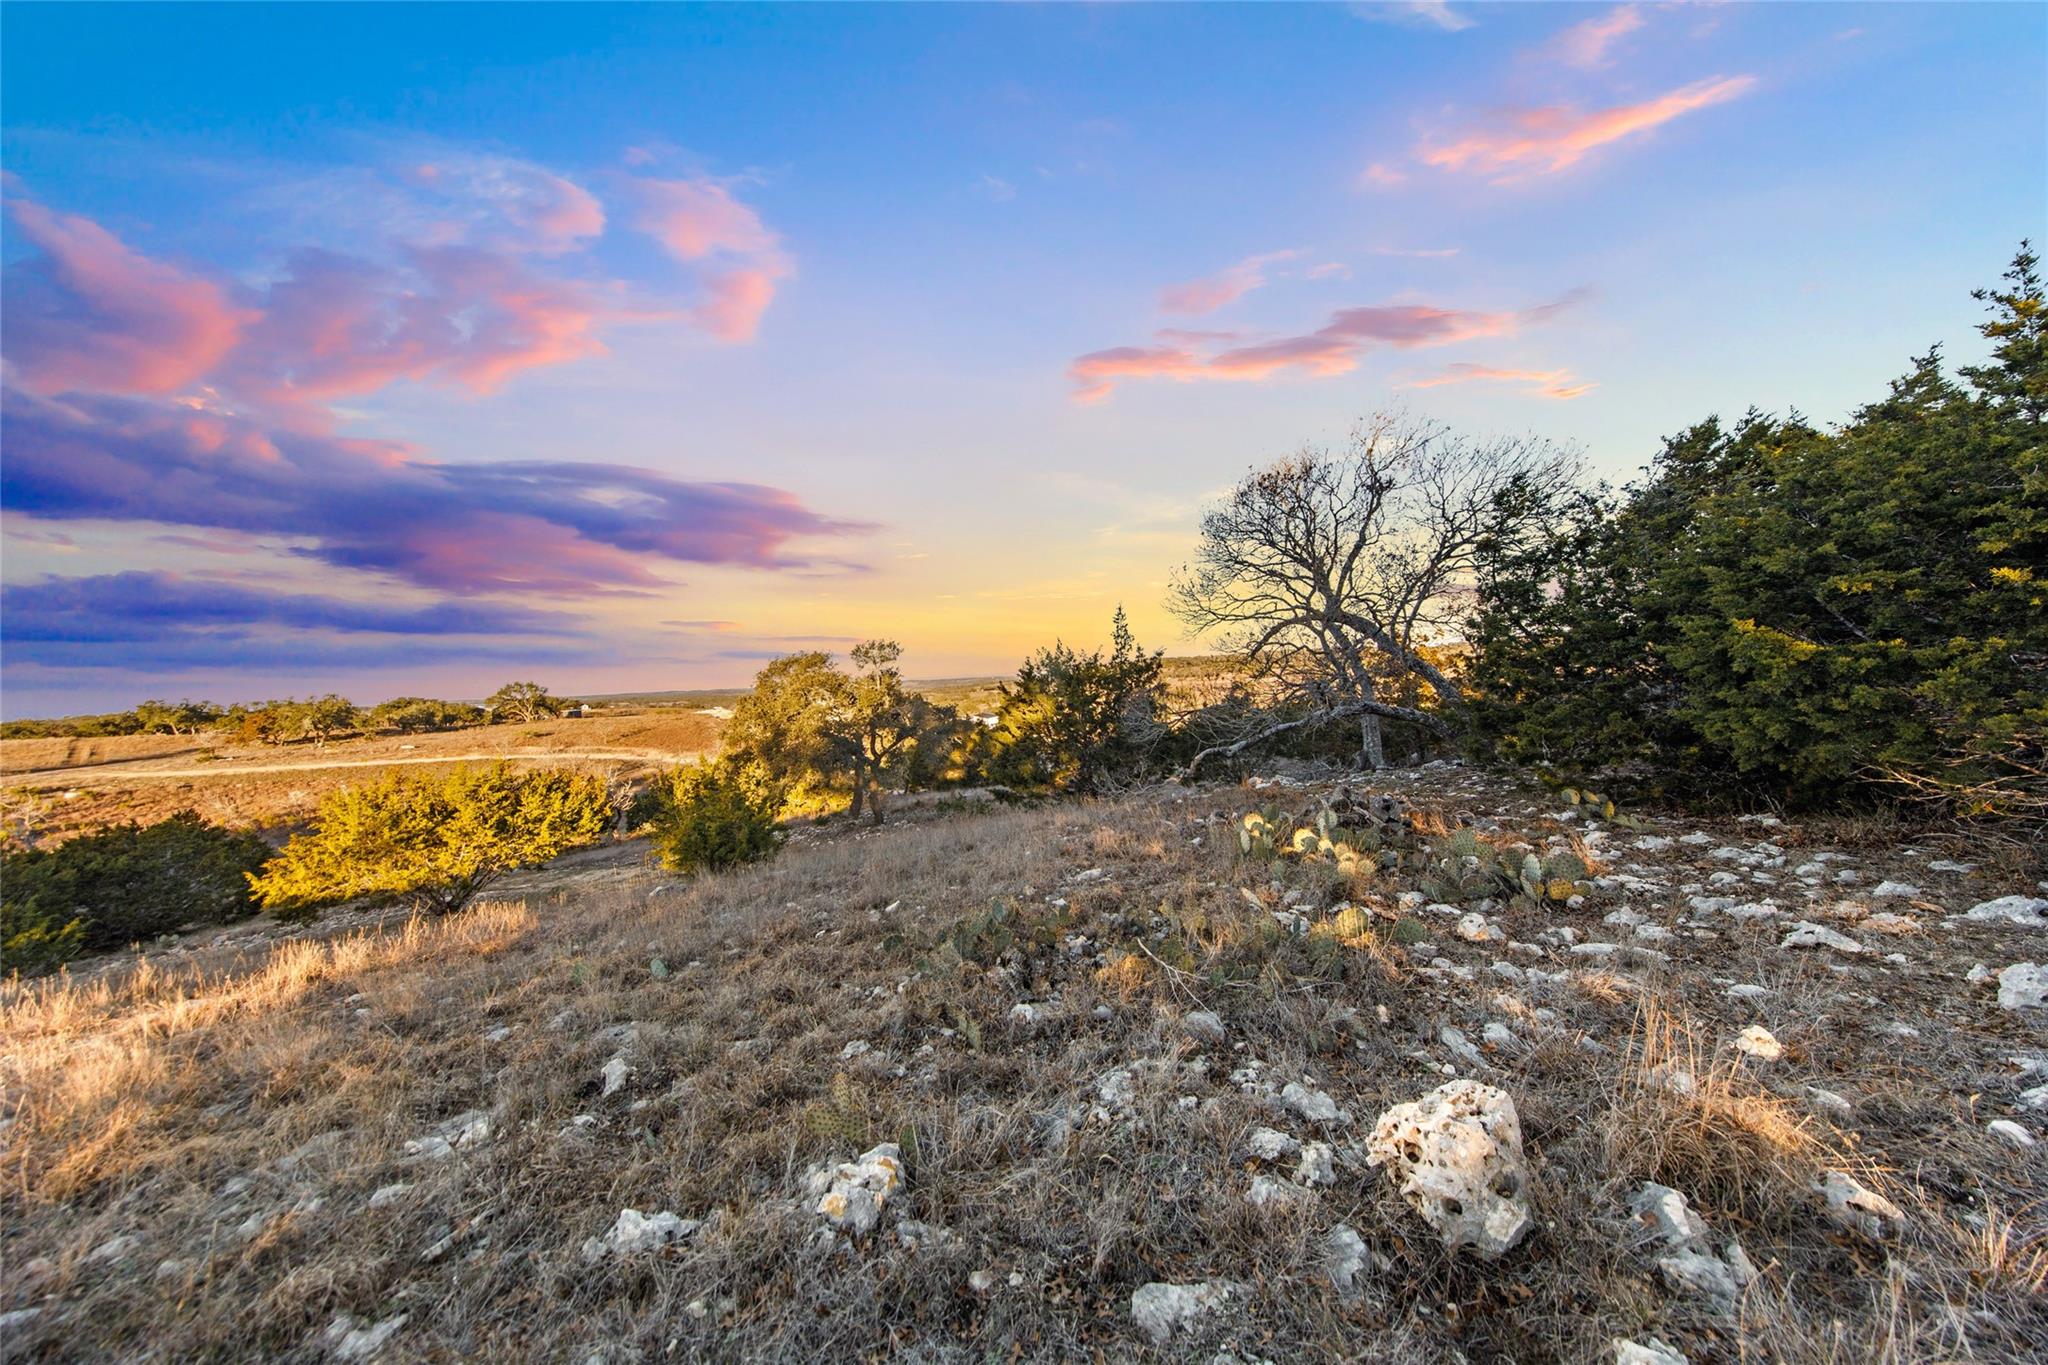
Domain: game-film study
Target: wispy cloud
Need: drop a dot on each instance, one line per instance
(92, 313)
(1586, 43)
(1437, 14)
(1223, 288)
(1332, 349)
(140, 621)
(559, 527)
(996, 188)
(701, 222)
(1558, 384)
(1518, 143)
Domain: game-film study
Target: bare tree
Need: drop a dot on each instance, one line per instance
(1331, 571)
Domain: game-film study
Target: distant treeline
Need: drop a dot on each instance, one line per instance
(291, 720)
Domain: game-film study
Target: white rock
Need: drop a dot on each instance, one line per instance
(1318, 1164)
(1457, 1152)
(1665, 1212)
(2035, 1098)
(1978, 974)
(1850, 1204)
(388, 1194)
(2024, 985)
(1707, 1275)
(1898, 890)
(1345, 1256)
(2010, 1132)
(1268, 1191)
(1829, 1101)
(1460, 1046)
(1160, 1310)
(1746, 991)
(1807, 934)
(1024, 1017)
(614, 1075)
(113, 1249)
(853, 1193)
(1313, 1105)
(360, 1343)
(1203, 1025)
(2031, 911)
(636, 1231)
(1758, 1042)
(1652, 1352)
(1477, 928)
(1270, 1144)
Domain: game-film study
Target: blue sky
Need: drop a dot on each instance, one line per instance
(798, 325)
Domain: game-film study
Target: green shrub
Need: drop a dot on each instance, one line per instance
(118, 885)
(714, 816)
(436, 841)
(1800, 614)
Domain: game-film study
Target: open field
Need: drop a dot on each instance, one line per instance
(61, 787)
(404, 1140)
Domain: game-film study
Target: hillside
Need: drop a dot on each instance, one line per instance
(1132, 1078)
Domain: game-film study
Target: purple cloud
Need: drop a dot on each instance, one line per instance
(139, 622)
(542, 526)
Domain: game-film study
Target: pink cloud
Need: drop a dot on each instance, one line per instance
(1546, 140)
(736, 300)
(1223, 288)
(511, 205)
(695, 218)
(1332, 349)
(337, 326)
(1381, 174)
(1585, 43)
(1558, 384)
(698, 222)
(91, 313)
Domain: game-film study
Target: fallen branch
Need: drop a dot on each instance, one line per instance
(1326, 716)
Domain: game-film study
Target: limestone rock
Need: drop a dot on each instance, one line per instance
(1457, 1152)
(1270, 1144)
(1160, 1310)
(1345, 1256)
(1311, 1104)
(635, 1232)
(2031, 911)
(1204, 1026)
(853, 1193)
(2011, 1132)
(1652, 1352)
(1758, 1042)
(1807, 934)
(1852, 1205)
(2022, 986)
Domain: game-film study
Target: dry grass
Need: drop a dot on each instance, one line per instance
(238, 1121)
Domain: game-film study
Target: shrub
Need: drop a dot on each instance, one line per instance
(434, 841)
(714, 816)
(1800, 614)
(117, 885)
(415, 715)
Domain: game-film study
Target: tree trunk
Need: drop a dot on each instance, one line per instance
(1372, 745)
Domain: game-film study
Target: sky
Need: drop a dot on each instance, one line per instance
(402, 350)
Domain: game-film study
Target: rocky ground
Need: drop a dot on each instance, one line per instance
(1081, 1081)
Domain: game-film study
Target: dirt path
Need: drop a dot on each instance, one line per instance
(124, 771)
